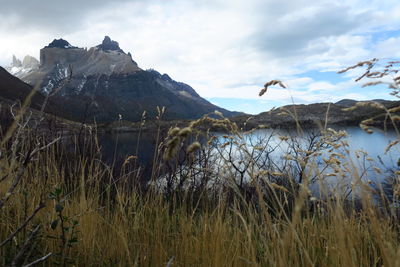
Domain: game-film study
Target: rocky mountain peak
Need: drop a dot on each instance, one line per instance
(106, 82)
(60, 56)
(24, 67)
(166, 77)
(110, 45)
(60, 43)
(30, 62)
(16, 62)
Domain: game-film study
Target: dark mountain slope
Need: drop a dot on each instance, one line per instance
(103, 98)
(13, 89)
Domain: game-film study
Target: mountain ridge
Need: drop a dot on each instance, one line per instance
(13, 89)
(104, 83)
(346, 112)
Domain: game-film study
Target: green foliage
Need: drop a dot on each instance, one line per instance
(66, 226)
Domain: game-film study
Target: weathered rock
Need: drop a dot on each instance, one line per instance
(30, 62)
(109, 45)
(60, 43)
(16, 62)
(24, 68)
(103, 82)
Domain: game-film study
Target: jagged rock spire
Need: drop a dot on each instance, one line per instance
(30, 62)
(16, 62)
(110, 45)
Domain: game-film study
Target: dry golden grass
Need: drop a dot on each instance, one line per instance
(118, 227)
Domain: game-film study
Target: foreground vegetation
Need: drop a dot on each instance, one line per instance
(84, 214)
(225, 201)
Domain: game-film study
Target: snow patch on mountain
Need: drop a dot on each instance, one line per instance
(82, 83)
(184, 93)
(22, 68)
(104, 81)
(48, 88)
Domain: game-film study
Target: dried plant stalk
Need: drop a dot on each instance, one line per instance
(270, 83)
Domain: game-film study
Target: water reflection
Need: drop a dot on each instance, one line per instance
(117, 147)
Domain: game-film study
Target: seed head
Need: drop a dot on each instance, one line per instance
(174, 131)
(185, 132)
(193, 147)
(270, 83)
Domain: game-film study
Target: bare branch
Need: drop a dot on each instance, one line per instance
(39, 260)
(3, 178)
(16, 181)
(18, 260)
(22, 226)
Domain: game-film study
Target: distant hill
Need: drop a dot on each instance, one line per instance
(350, 102)
(346, 103)
(345, 112)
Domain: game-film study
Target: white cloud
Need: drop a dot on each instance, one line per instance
(321, 86)
(388, 48)
(222, 48)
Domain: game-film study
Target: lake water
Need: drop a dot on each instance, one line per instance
(117, 147)
(373, 144)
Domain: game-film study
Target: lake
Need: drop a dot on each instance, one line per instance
(366, 151)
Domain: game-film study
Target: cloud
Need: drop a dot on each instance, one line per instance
(388, 48)
(221, 48)
(294, 31)
(50, 14)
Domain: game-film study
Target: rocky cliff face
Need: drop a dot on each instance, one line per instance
(22, 68)
(110, 45)
(16, 62)
(103, 82)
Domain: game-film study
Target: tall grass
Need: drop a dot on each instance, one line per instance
(268, 223)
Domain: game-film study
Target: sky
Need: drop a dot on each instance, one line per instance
(226, 50)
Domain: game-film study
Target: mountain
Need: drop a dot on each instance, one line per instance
(29, 64)
(13, 90)
(104, 82)
(346, 103)
(345, 112)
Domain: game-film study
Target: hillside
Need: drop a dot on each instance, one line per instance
(345, 112)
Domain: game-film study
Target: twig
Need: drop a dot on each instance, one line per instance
(16, 181)
(169, 263)
(3, 178)
(28, 242)
(22, 226)
(45, 146)
(39, 260)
